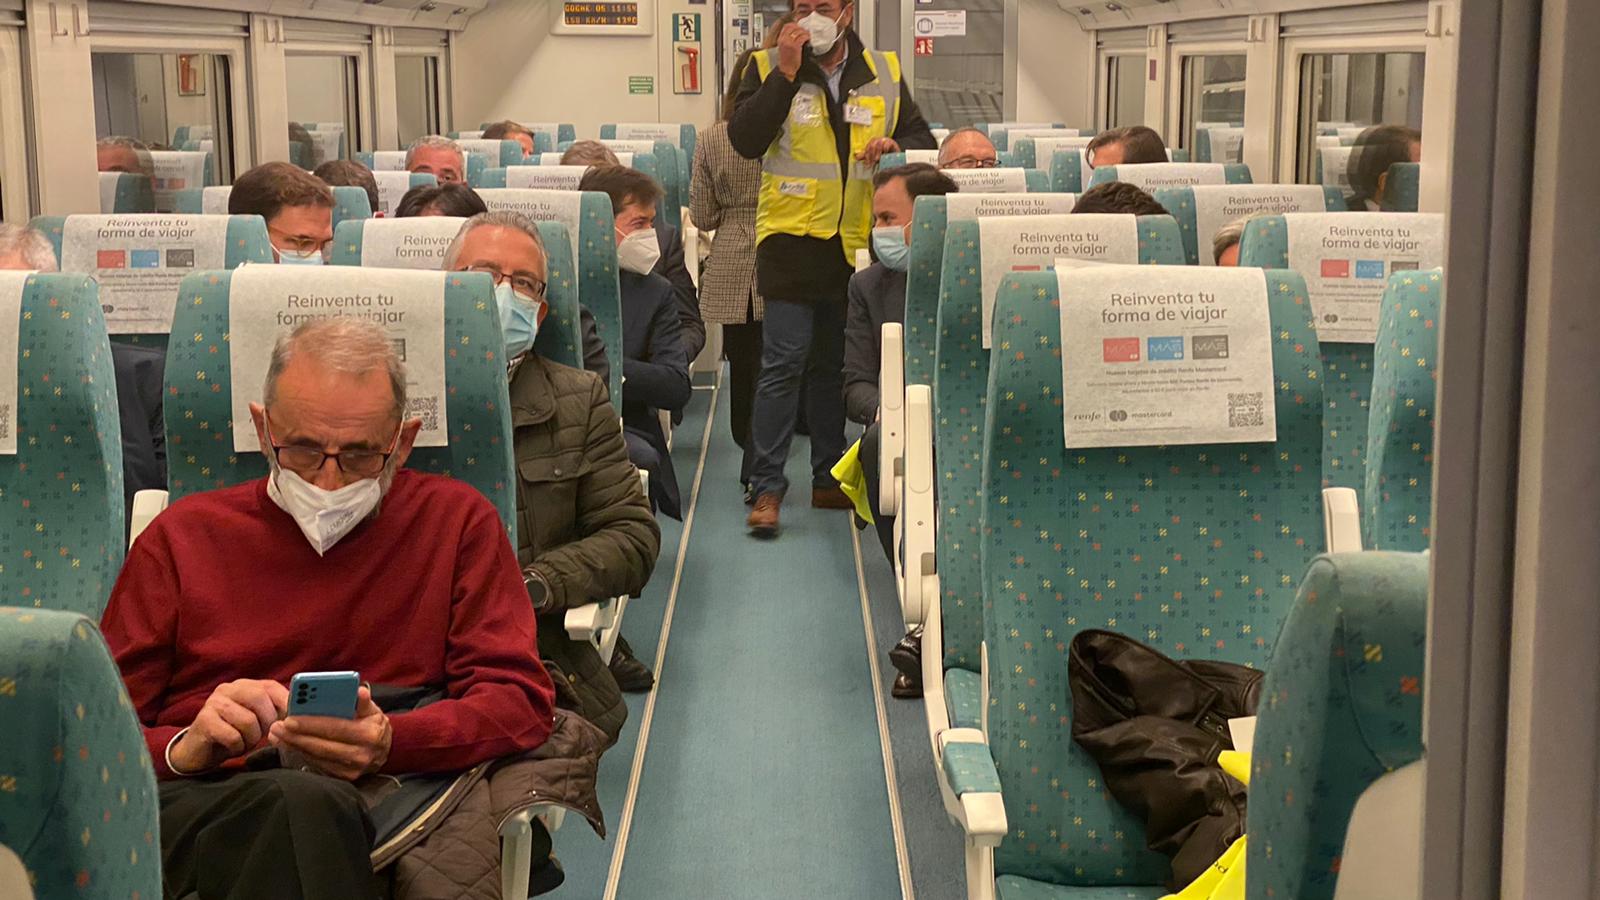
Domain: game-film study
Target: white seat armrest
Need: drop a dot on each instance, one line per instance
(516, 845)
(666, 426)
(919, 572)
(863, 259)
(147, 504)
(1341, 518)
(891, 416)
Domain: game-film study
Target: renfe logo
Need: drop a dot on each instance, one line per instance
(1336, 268)
(1120, 350)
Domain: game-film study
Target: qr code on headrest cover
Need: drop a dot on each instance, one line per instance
(426, 409)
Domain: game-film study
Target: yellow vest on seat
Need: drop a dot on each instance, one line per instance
(801, 191)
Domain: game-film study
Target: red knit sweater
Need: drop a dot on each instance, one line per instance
(223, 585)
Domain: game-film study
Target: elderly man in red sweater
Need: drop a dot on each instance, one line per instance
(339, 559)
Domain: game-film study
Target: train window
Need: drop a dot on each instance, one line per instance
(1213, 93)
(324, 107)
(417, 96)
(1342, 93)
(963, 82)
(165, 101)
(1125, 79)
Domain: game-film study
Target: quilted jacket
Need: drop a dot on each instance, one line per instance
(584, 527)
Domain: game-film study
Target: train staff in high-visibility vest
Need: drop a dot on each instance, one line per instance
(818, 111)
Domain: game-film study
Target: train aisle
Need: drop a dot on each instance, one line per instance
(762, 768)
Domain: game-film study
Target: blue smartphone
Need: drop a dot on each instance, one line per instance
(324, 694)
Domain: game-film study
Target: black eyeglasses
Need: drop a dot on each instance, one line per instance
(360, 463)
(524, 284)
(972, 162)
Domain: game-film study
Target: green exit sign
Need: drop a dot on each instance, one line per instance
(641, 84)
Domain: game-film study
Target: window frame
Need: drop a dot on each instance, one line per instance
(1294, 51)
(1179, 54)
(17, 201)
(1107, 89)
(240, 137)
(362, 137)
(441, 100)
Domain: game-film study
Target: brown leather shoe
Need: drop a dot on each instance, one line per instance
(763, 521)
(830, 498)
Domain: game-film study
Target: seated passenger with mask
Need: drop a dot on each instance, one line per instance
(511, 131)
(1126, 146)
(437, 156)
(138, 371)
(878, 295)
(339, 559)
(123, 154)
(967, 148)
(670, 265)
(297, 207)
(655, 366)
(585, 531)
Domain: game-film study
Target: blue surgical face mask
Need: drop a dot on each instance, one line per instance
(519, 320)
(296, 258)
(889, 242)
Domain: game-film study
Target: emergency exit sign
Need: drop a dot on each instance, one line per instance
(641, 84)
(924, 46)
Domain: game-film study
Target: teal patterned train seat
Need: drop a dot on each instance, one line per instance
(126, 192)
(642, 162)
(595, 249)
(415, 242)
(1340, 708)
(961, 373)
(1397, 503)
(1000, 135)
(922, 287)
(1180, 203)
(681, 135)
(200, 454)
(211, 201)
(559, 132)
(61, 539)
(1232, 173)
(1192, 549)
(543, 141)
(1402, 187)
(394, 160)
(493, 152)
(350, 203)
(1037, 181)
(78, 797)
(245, 242)
(1066, 171)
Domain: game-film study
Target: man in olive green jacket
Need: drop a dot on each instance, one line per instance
(584, 528)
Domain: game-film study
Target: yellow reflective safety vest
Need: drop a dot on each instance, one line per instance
(801, 188)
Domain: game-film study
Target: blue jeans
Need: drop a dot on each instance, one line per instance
(799, 340)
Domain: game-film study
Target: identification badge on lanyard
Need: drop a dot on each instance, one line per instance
(856, 114)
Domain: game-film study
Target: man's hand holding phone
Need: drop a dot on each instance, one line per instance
(232, 722)
(343, 748)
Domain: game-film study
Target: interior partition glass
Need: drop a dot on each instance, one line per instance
(1213, 94)
(417, 96)
(1342, 95)
(323, 108)
(1125, 81)
(162, 102)
(960, 77)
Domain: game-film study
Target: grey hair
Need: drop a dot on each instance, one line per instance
(1228, 235)
(344, 344)
(945, 144)
(436, 142)
(589, 153)
(140, 148)
(33, 247)
(500, 218)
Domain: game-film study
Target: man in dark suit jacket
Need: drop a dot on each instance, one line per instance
(655, 363)
(685, 296)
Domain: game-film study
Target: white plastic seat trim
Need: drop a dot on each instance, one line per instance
(863, 259)
(891, 416)
(1341, 519)
(919, 590)
(147, 504)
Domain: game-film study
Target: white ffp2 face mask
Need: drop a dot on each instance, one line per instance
(639, 252)
(823, 30)
(324, 516)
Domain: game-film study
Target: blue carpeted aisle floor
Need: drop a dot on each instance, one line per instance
(757, 767)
